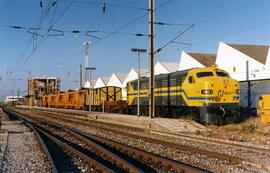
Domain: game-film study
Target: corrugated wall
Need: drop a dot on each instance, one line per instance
(257, 88)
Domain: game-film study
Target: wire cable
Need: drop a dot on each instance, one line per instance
(174, 39)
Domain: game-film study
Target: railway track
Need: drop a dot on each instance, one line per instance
(194, 138)
(125, 130)
(147, 136)
(102, 154)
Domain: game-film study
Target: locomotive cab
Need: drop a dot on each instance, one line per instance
(207, 94)
(217, 95)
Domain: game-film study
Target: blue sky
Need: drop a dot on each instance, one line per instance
(231, 21)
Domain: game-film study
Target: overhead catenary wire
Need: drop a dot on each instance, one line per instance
(120, 28)
(94, 23)
(59, 32)
(131, 22)
(171, 24)
(218, 16)
(232, 33)
(42, 39)
(110, 4)
(106, 36)
(223, 35)
(228, 12)
(174, 39)
(40, 22)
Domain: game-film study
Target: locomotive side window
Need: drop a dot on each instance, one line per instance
(164, 83)
(204, 74)
(191, 79)
(173, 82)
(135, 86)
(222, 74)
(144, 85)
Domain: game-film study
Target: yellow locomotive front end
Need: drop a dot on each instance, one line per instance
(215, 93)
(207, 94)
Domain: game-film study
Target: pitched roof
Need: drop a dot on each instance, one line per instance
(205, 59)
(93, 82)
(257, 52)
(121, 76)
(170, 66)
(105, 80)
(144, 72)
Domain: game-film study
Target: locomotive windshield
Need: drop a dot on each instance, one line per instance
(222, 74)
(205, 74)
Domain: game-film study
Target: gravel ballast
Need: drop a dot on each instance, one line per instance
(198, 160)
(20, 150)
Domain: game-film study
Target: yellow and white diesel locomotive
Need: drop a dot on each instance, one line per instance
(209, 94)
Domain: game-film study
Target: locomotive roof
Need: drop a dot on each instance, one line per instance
(181, 73)
(160, 76)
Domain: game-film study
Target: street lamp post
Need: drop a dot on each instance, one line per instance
(139, 75)
(90, 89)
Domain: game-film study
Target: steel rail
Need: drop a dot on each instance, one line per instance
(98, 166)
(212, 141)
(190, 149)
(165, 162)
(106, 153)
(45, 149)
(199, 139)
(193, 150)
(99, 149)
(41, 142)
(160, 162)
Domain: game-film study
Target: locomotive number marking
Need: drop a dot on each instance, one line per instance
(220, 93)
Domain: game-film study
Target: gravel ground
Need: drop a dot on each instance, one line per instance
(5, 117)
(248, 155)
(20, 150)
(15, 127)
(3, 144)
(81, 164)
(196, 160)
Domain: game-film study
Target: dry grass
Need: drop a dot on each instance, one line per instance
(250, 125)
(250, 130)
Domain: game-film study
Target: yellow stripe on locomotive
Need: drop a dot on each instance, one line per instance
(198, 87)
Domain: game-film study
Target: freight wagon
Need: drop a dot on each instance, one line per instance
(109, 98)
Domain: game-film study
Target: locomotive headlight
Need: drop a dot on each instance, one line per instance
(237, 91)
(207, 91)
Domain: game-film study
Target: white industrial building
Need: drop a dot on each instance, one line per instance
(9, 99)
(193, 60)
(101, 82)
(133, 75)
(249, 64)
(117, 79)
(244, 62)
(166, 67)
(90, 84)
